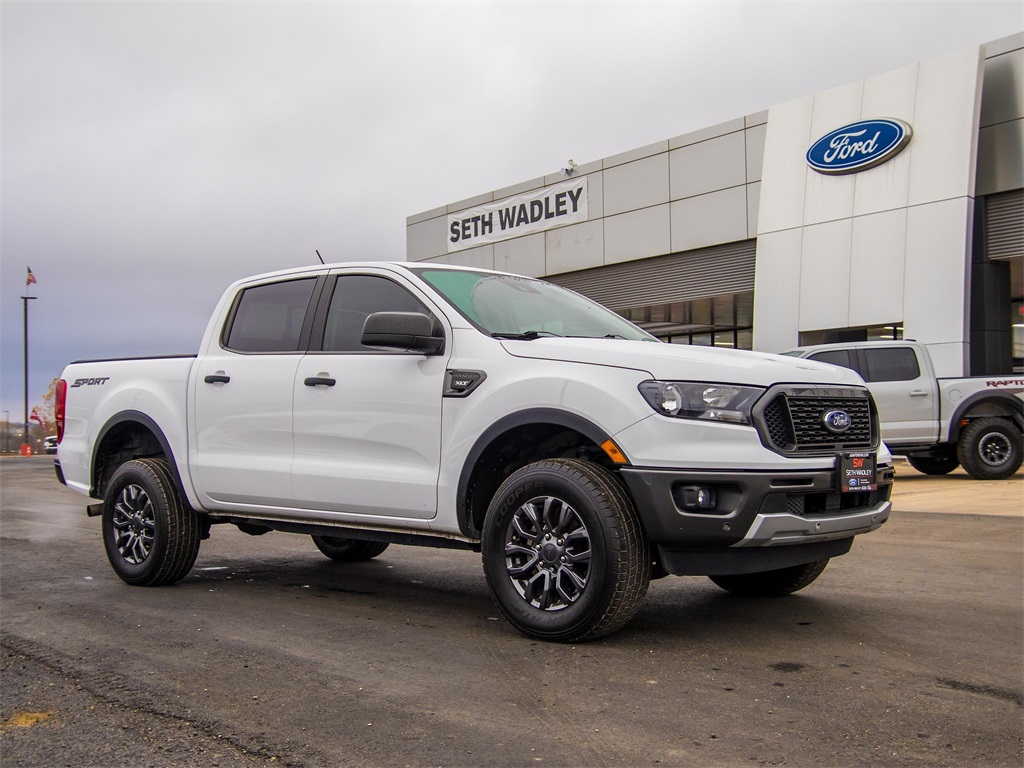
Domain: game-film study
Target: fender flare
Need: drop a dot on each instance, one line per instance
(148, 422)
(552, 416)
(1004, 398)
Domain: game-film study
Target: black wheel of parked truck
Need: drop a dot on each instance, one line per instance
(349, 550)
(935, 465)
(776, 583)
(990, 449)
(564, 553)
(151, 535)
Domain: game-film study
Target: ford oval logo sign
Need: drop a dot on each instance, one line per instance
(858, 146)
(837, 422)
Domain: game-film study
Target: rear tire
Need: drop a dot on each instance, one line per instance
(935, 465)
(151, 535)
(349, 550)
(564, 553)
(990, 449)
(784, 581)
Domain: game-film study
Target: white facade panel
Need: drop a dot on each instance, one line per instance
(827, 198)
(877, 268)
(718, 217)
(709, 166)
(785, 144)
(937, 279)
(887, 186)
(753, 204)
(426, 239)
(703, 134)
(522, 256)
(637, 234)
(580, 246)
(754, 138)
(825, 275)
(946, 117)
(639, 184)
(777, 291)
(479, 258)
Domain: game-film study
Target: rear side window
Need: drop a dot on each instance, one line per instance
(893, 364)
(355, 298)
(268, 318)
(839, 357)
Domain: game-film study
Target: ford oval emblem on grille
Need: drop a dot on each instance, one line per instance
(837, 422)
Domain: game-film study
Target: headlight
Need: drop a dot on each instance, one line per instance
(696, 400)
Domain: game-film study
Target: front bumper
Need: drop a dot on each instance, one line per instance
(800, 516)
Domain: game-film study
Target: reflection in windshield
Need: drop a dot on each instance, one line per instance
(521, 308)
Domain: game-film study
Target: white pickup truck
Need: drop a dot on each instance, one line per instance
(938, 424)
(376, 404)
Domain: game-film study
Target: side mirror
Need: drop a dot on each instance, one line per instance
(405, 332)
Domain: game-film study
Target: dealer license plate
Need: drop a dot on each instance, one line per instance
(857, 472)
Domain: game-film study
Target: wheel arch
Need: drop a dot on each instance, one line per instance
(983, 404)
(514, 441)
(125, 436)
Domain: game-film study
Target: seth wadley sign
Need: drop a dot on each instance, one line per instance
(553, 206)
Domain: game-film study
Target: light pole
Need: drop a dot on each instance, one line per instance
(25, 300)
(7, 430)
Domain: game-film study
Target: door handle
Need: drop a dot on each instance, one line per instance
(919, 393)
(217, 378)
(318, 381)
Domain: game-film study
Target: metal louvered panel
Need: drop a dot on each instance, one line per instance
(1004, 224)
(664, 279)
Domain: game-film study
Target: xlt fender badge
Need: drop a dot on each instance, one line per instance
(462, 383)
(90, 382)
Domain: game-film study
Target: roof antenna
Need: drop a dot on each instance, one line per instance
(318, 255)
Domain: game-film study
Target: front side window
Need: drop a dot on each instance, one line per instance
(891, 364)
(268, 318)
(355, 298)
(512, 307)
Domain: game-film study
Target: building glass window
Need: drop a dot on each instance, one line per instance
(720, 321)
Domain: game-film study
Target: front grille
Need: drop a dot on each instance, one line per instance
(793, 420)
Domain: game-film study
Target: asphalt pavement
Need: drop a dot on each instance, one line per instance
(909, 651)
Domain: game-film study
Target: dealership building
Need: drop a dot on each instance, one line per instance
(888, 207)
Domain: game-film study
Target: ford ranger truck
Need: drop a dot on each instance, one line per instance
(373, 404)
(939, 424)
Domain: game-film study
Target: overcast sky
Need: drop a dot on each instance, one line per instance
(154, 152)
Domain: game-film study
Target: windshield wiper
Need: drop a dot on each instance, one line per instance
(525, 336)
(606, 336)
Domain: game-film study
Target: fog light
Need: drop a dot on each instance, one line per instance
(697, 497)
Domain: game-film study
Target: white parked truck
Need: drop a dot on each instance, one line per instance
(937, 423)
(376, 404)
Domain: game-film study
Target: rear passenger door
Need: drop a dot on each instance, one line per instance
(905, 394)
(242, 415)
(367, 420)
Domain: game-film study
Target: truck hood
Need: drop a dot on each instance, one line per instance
(677, 362)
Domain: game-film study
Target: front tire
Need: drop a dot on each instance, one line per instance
(150, 534)
(990, 449)
(349, 550)
(783, 581)
(564, 553)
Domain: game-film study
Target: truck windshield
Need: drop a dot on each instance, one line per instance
(506, 306)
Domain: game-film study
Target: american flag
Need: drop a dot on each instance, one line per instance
(30, 278)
